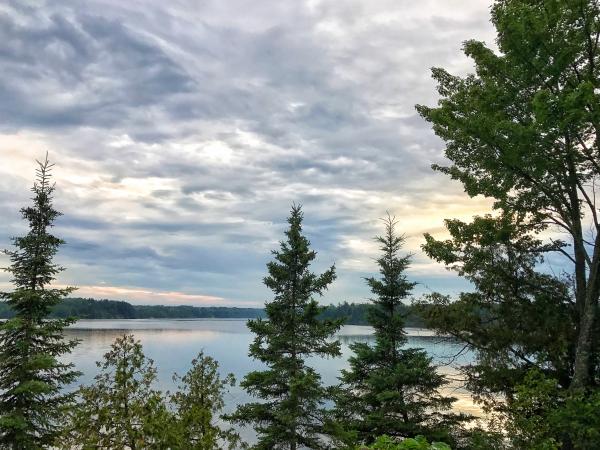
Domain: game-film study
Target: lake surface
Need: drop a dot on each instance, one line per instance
(172, 344)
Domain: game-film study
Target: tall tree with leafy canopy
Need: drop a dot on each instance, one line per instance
(524, 130)
(32, 373)
(290, 414)
(389, 389)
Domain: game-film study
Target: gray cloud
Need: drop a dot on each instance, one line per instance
(183, 130)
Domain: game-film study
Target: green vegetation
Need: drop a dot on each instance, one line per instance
(122, 409)
(291, 413)
(524, 131)
(111, 309)
(198, 401)
(87, 308)
(93, 309)
(389, 389)
(418, 443)
(357, 314)
(32, 374)
(195, 312)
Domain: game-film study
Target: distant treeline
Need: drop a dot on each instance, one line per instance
(88, 308)
(356, 314)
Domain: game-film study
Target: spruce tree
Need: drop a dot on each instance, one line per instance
(32, 373)
(290, 414)
(388, 389)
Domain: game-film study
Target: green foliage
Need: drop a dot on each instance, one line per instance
(198, 402)
(534, 401)
(195, 312)
(88, 308)
(357, 314)
(122, 409)
(507, 317)
(523, 131)
(291, 413)
(32, 374)
(388, 389)
(419, 443)
(543, 416)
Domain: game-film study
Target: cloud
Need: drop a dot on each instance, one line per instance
(183, 131)
(147, 296)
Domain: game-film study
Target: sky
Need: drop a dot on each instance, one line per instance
(182, 131)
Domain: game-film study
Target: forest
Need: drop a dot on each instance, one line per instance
(89, 308)
(523, 131)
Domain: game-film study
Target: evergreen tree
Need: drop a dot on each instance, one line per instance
(290, 415)
(31, 371)
(198, 402)
(389, 389)
(122, 409)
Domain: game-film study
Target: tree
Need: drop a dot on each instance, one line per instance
(198, 401)
(290, 415)
(32, 374)
(122, 409)
(524, 130)
(390, 389)
(419, 443)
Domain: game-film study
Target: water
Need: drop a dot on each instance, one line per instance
(172, 344)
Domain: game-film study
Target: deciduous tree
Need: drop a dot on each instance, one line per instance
(524, 131)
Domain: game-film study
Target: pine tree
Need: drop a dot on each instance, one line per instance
(291, 413)
(390, 389)
(32, 374)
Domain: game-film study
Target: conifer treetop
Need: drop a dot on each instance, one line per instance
(32, 375)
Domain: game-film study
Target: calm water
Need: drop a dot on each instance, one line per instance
(172, 344)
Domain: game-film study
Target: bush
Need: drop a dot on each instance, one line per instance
(418, 443)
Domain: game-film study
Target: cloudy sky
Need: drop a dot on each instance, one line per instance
(183, 130)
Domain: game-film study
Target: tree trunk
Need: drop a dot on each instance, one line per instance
(583, 355)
